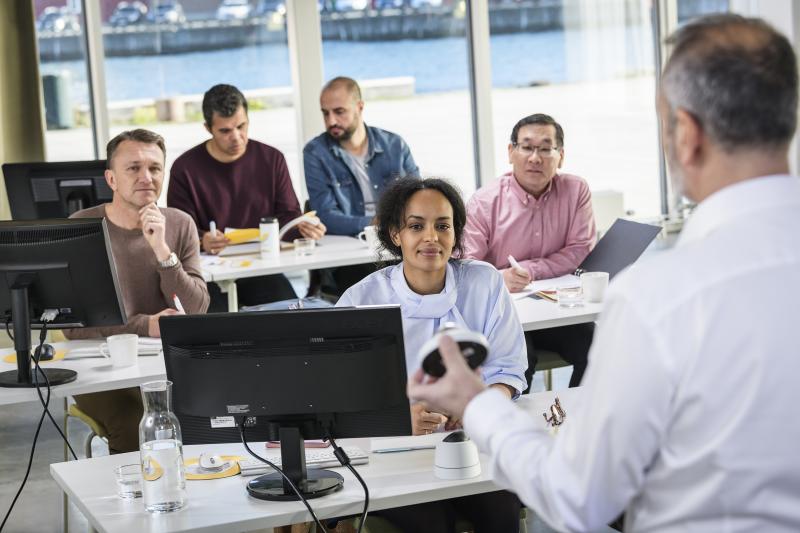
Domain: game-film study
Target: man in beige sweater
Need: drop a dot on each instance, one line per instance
(157, 254)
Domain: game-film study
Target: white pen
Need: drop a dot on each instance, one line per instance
(515, 264)
(212, 227)
(178, 304)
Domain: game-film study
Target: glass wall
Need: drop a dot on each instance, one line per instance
(62, 64)
(159, 62)
(411, 59)
(589, 64)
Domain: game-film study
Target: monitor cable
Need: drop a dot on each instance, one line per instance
(341, 455)
(45, 411)
(273, 466)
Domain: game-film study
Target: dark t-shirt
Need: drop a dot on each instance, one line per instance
(236, 194)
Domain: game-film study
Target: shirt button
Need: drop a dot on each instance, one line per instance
(537, 233)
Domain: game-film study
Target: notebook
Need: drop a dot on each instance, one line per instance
(622, 244)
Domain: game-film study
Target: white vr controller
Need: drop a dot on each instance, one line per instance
(474, 348)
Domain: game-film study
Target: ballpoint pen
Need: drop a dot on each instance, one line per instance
(515, 264)
(178, 304)
(212, 228)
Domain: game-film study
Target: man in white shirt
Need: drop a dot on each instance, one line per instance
(687, 420)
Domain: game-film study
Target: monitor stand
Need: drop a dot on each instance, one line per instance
(312, 484)
(20, 314)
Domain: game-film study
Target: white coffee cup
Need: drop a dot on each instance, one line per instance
(370, 236)
(123, 349)
(594, 286)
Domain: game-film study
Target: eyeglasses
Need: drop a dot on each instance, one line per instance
(545, 152)
(557, 414)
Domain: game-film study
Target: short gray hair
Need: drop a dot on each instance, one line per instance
(738, 77)
(137, 135)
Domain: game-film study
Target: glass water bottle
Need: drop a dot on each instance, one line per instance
(161, 450)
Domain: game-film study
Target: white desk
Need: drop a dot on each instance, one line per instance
(394, 480)
(543, 314)
(332, 251)
(94, 375)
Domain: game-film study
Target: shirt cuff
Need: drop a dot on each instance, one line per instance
(483, 414)
(507, 380)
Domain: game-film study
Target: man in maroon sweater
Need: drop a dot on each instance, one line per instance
(234, 181)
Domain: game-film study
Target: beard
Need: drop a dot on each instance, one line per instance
(345, 135)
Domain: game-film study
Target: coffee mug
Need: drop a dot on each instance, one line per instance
(370, 236)
(123, 349)
(594, 286)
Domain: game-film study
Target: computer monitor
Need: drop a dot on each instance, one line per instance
(55, 190)
(300, 374)
(61, 265)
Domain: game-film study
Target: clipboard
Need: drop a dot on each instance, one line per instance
(620, 247)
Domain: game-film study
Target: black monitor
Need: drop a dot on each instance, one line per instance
(55, 190)
(64, 266)
(292, 375)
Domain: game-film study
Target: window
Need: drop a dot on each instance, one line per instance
(412, 66)
(159, 62)
(592, 68)
(62, 64)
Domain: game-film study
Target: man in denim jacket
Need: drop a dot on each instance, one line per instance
(348, 166)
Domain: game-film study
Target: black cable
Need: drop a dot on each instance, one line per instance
(30, 463)
(341, 455)
(38, 370)
(8, 330)
(294, 487)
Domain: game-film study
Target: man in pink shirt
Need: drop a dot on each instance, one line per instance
(544, 220)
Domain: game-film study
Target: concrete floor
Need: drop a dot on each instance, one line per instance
(39, 507)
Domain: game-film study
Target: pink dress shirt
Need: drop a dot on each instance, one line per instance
(549, 237)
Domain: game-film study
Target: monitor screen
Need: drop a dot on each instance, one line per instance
(62, 266)
(337, 370)
(55, 190)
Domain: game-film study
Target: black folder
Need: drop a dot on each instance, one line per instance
(622, 244)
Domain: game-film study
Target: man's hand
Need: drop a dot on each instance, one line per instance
(214, 244)
(452, 392)
(515, 279)
(153, 226)
(312, 230)
(423, 421)
(153, 330)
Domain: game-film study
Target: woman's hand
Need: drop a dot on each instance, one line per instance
(424, 422)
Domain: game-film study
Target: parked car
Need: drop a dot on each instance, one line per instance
(233, 10)
(127, 13)
(267, 7)
(388, 4)
(58, 19)
(417, 4)
(167, 12)
(350, 5)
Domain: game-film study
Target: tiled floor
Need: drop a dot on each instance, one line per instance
(39, 507)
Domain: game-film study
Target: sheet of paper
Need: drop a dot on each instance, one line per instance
(403, 444)
(567, 280)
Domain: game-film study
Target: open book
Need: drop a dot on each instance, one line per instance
(246, 240)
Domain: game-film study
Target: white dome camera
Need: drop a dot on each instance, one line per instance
(474, 348)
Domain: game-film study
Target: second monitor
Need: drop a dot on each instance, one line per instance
(303, 374)
(55, 190)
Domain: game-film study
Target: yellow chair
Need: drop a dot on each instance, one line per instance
(97, 430)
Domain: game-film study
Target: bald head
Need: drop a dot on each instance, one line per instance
(349, 85)
(738, 77)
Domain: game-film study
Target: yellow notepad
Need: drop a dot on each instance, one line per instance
(238, 236)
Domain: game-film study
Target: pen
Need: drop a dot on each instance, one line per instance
(212, 227)
(178, 304)
(515, 264)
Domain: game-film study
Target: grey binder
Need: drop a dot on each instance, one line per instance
(622, 244)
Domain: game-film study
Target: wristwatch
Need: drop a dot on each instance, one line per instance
(169, 262)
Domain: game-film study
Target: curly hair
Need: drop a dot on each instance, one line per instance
(392, 207)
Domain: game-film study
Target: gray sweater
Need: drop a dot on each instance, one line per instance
(147, 288)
